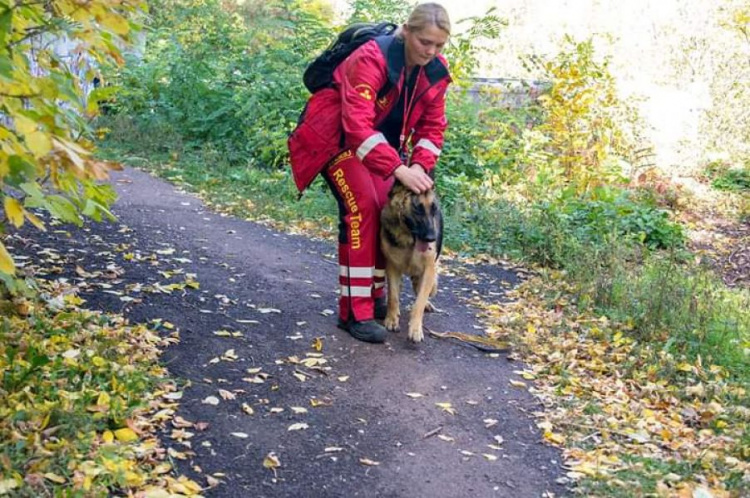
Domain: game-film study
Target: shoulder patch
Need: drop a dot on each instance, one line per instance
(365, 91)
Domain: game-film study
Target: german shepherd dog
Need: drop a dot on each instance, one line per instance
(411, 237)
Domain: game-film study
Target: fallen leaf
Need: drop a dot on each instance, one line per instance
(317, 344)
(298, 410)
(55, 478)
(489, 457)
(229, 355)
(265, 311)
(489, 422)
(173, 396)
(446, 407)
(415, 395)
(301, 426)
(211, 400)
(368, 462)
(517, 383)
(247, 409)
(227, 395)
(271, 461)
(240, 435)
(126, 435)
(447, 439)
(7, 485)
(343, 378)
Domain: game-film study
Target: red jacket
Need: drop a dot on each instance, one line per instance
(347, 115)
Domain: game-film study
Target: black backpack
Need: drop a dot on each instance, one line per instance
(319, 74)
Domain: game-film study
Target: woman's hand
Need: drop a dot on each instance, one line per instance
(414, 178)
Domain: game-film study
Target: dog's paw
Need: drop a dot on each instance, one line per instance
(429, 307)
(415, 332)
(391, 323)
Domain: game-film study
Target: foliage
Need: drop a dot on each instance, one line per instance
(662, 412)
(726, 124)
(231, 78)
(43, 131)
(80, 392)
(724, 177)
(584, 118)
(465, 48)
(395, 11)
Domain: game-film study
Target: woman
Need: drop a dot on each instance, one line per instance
(387, 109)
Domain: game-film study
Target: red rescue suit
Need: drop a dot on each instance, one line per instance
(347, 133)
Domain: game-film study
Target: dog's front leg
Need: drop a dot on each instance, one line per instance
(393, 315)
(426, 283)
(429, 307)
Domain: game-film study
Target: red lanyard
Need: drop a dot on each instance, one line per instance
(409, 101)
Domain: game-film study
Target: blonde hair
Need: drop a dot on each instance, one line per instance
(425, 15)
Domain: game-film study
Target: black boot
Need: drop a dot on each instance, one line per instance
(381, 308)
(367, 330)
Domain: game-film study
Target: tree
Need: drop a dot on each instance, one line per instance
(50, 54)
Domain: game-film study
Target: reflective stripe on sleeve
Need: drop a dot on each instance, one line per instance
(427, 144)
(369, 144)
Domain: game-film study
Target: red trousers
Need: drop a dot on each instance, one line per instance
(361, 196)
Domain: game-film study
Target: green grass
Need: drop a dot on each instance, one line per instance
(643, 478)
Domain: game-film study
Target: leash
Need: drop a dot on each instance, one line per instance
(484, 344)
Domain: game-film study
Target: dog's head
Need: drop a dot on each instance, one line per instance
(419, 212)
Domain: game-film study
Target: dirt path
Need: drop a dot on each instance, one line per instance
(274, 288)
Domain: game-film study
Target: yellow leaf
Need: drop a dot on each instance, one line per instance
(116, 23)
(55, 478)
(517, 383)
(133, 479)
(6, 262)
(126, 435)
(108, 437)
(317, 344)
(103, 399)
(154, 492)
(14, 211)
(271, 461)
(554, 437)
(35, 221)
(38, 143)
(24, 125)
(7, 485)
(446, 407)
